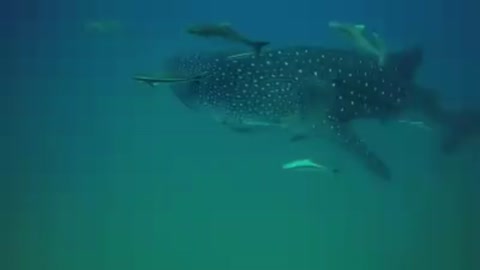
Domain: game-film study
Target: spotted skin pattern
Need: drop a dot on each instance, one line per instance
(285, 83)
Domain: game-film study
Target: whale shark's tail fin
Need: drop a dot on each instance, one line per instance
(461, 127)
(405, 62)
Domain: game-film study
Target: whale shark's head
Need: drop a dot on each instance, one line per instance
(188, 66)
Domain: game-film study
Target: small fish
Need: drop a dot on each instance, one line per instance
(373, 45)
(102, 26)
(154, 81)
(225, 31)
(418, 124)
(304, 165)
(246, 125)
(240, 55)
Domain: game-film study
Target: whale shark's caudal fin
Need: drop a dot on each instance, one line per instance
(405, 62)
(461, 127)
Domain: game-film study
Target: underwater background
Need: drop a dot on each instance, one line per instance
(101, 172)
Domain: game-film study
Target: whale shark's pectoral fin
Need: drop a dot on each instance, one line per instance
(460, 127)
(348, 139)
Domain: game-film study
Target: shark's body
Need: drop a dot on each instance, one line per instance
(312, 89)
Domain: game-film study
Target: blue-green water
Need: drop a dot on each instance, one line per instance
(99, 172)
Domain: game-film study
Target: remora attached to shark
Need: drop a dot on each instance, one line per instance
(314, 89)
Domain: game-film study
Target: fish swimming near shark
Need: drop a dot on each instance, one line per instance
(153, 81)
(226, 31)
(305, 89)
(357, 34)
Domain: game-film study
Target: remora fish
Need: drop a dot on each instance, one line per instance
(154, 80)
(312, 89)
(372, 44)
(225, 31)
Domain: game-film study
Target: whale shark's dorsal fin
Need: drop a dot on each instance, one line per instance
(406, 62)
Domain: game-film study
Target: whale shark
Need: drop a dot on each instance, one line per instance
(308, 90)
